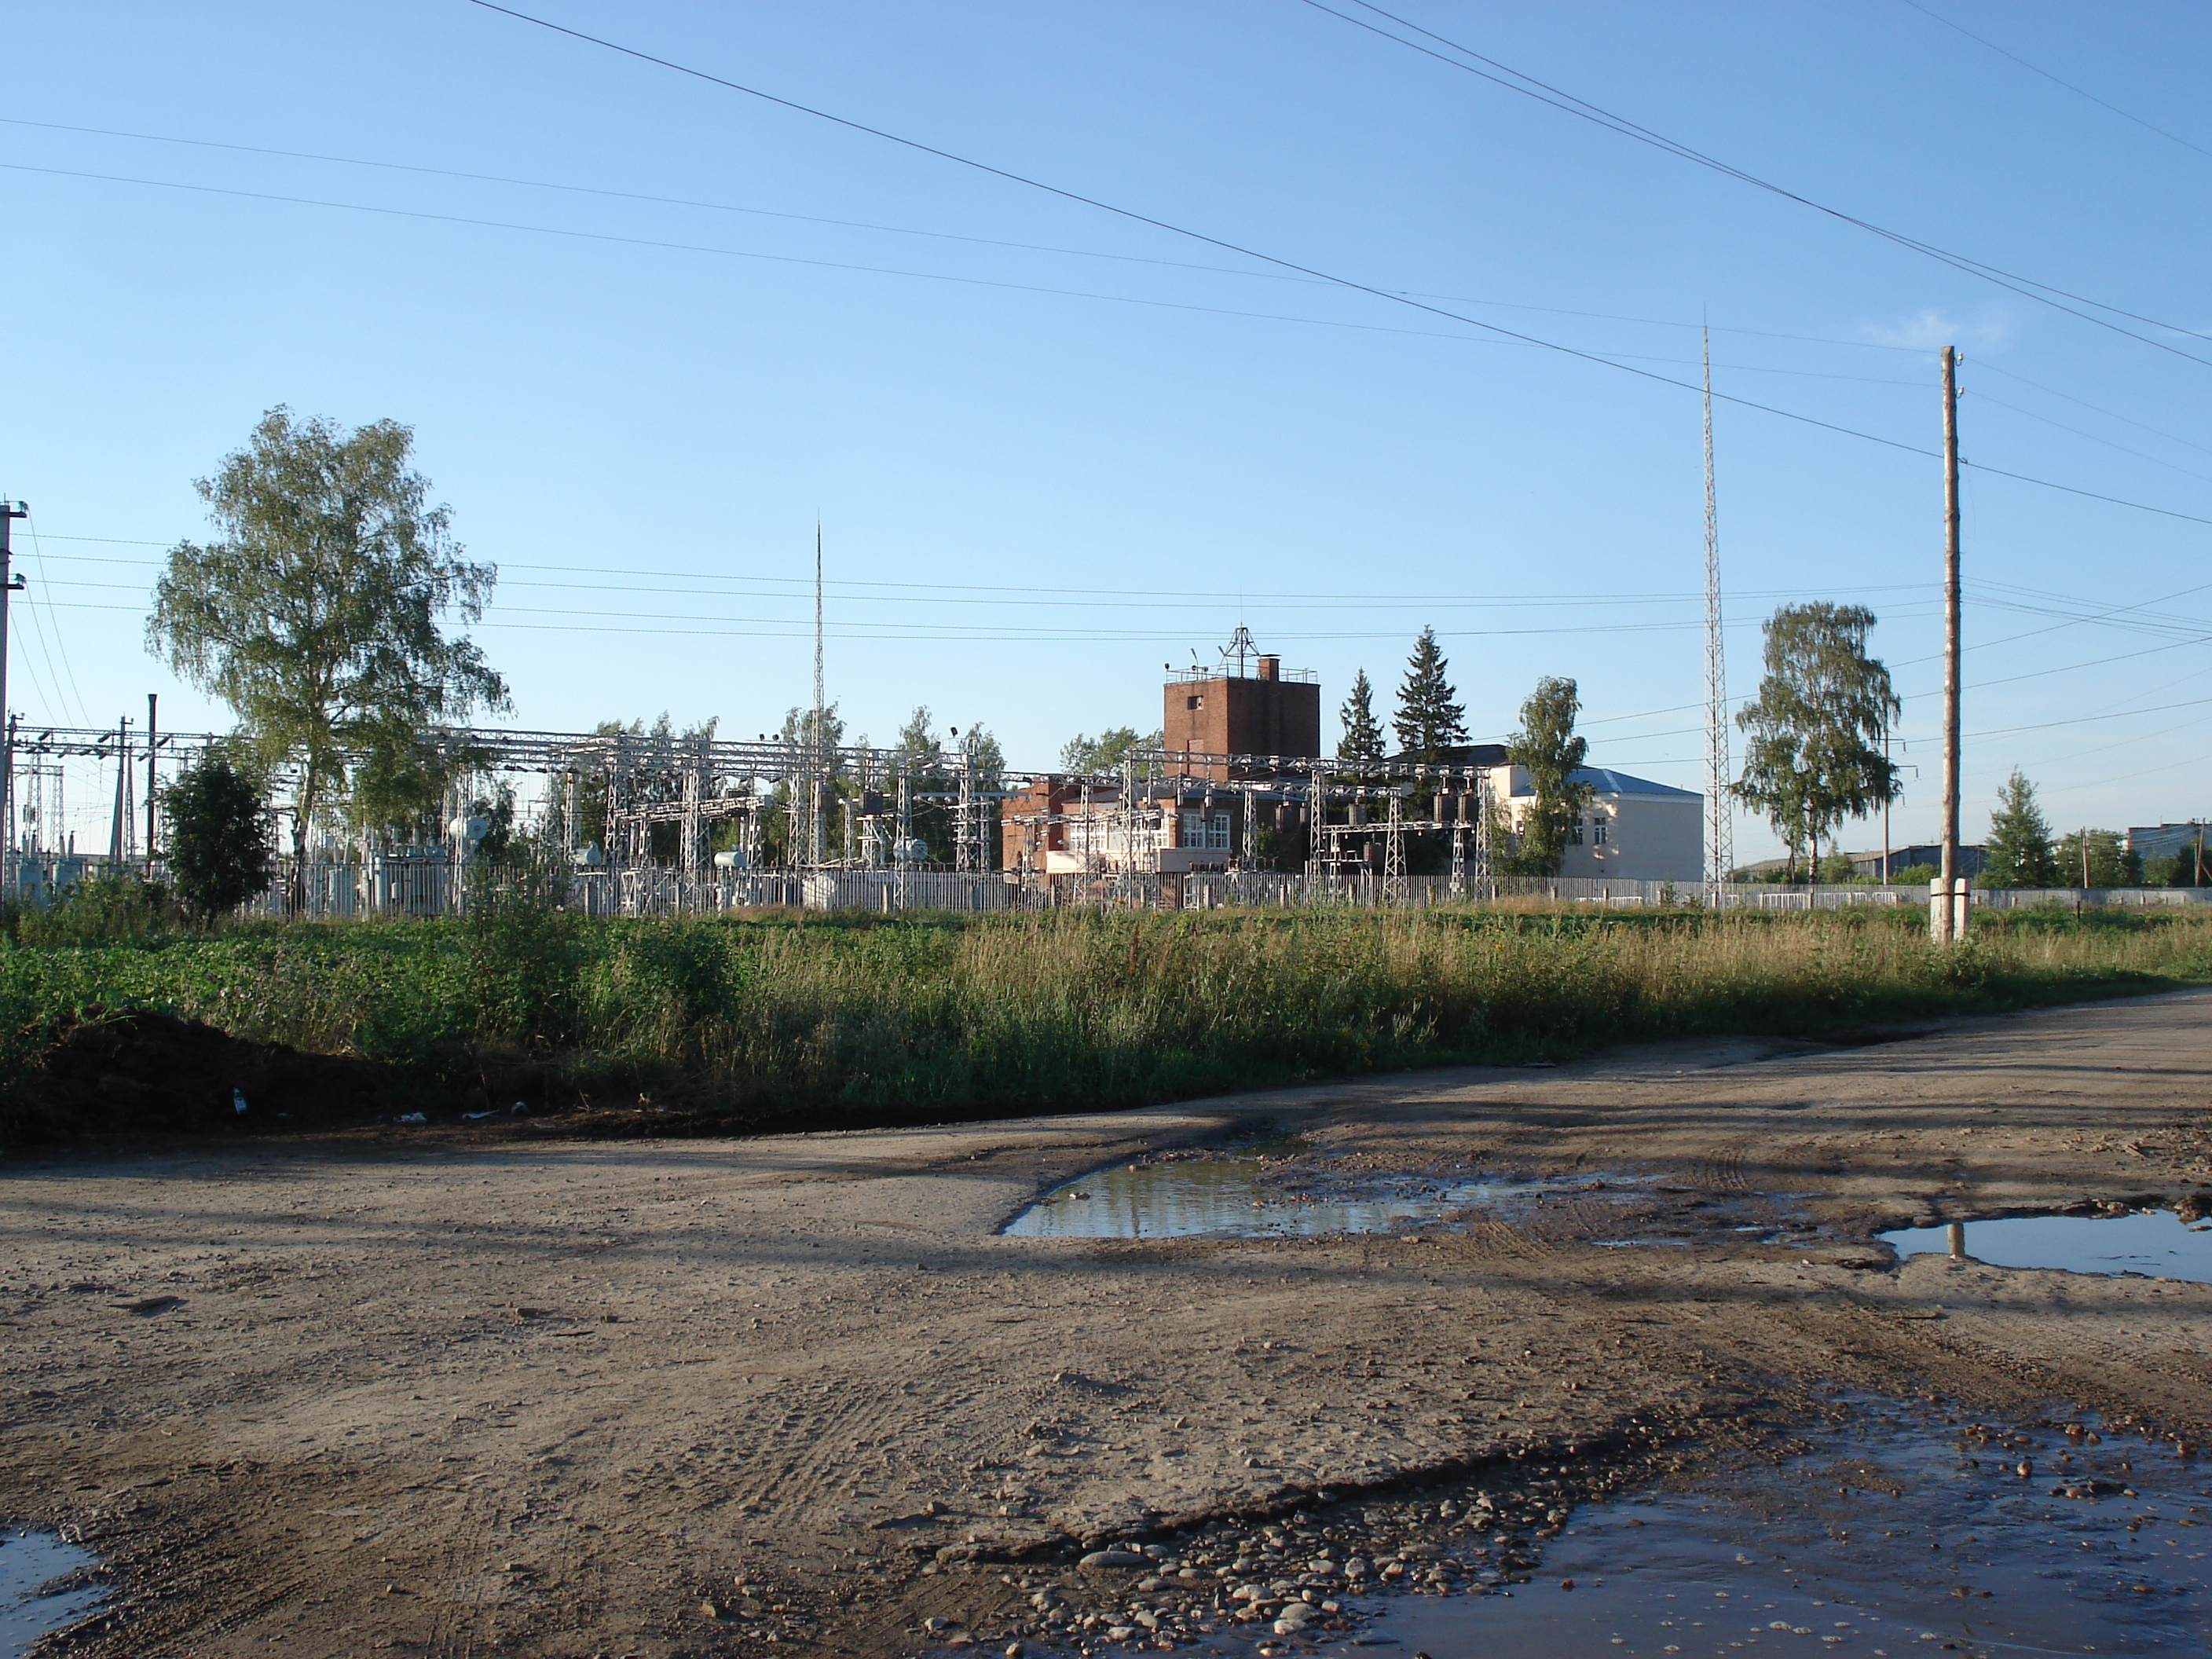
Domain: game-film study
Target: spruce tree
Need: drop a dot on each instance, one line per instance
(1429, 720)
(1363, 733)
(2019, 852)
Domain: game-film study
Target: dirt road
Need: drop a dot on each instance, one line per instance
(454, 1397)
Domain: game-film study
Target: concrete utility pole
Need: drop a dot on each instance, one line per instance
(9, 583)
(119, 834)
(1947, 902)
(1885, 806)
(152, 698)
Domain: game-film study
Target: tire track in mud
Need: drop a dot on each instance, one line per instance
(890, 1377)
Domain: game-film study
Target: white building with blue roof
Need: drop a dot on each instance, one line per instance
(1633, 829)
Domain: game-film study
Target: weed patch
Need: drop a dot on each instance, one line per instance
(847, 1020)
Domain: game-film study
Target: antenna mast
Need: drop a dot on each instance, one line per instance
(1720, 820)
(1241, 645)
(817, 830)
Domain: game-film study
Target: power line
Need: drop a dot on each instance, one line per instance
(1999, 403)
(1566, 102)
(2036, 68)
(798, 628)
(1090, 594)
(939, 235)
(1350, 283)
(2156, 432)
(643, 197)
(61, 644)
(1618, 360)
(2089, 719)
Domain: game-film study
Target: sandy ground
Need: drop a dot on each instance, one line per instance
(798, 1395)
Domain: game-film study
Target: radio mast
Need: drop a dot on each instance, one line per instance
(1720, 819)
(817, 834)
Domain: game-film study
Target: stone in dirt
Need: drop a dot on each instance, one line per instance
(841, 1313)
(1114, 1559)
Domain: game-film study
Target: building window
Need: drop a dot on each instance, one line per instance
(1597, 828)
(1575, 835)
(1207, 831)
(1194, 703)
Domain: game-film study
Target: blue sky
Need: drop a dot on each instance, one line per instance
(1044, 470)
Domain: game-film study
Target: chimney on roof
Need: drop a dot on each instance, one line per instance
(1271, 668)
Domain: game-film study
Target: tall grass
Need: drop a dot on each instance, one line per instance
(869, 1020)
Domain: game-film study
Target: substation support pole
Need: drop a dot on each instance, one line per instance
(1460, 800)
(153, 700)
(9, 583)
(1395, 889)
(1947, 902)
(1484, 886)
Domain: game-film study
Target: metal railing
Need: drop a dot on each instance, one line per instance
(431, 882)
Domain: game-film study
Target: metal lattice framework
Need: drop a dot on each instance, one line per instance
(1720, 816)
(1347, 807)
(648, 780)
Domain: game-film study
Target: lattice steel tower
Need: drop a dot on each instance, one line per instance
(1720, 819)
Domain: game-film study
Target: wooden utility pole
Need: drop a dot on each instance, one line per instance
(1947, 904)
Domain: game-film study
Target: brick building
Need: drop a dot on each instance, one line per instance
(1267, 714)
(1185, 821)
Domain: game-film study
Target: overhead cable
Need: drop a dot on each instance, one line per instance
(1349, 283)
(2036, 68)
(1566, 102)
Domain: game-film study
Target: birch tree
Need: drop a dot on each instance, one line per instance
(317, 611)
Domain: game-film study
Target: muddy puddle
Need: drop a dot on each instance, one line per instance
(1898, 1533)
(44, 1585)
(1249, 1193)
(2154, 1243)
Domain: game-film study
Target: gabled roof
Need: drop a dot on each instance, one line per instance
(1610, 782)
(1466, 754)
(1606, 782)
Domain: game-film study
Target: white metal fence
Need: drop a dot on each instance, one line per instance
(430, 882)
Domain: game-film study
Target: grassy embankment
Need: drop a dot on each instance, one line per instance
(871, 1019)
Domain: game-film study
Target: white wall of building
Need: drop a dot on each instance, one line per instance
(1632, 830)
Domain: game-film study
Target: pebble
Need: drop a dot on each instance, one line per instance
(1114, 1559)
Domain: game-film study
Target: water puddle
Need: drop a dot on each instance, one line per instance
(43, 1587)
(2156, 1243)
(1238, 1194)
(1898, 1535)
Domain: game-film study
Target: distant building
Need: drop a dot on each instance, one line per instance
(1903, 858)
(2163, 841)
(1186, 822)
(1267, 714)
(1633, 829)
(1228, 726)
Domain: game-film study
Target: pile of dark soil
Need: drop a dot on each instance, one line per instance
(110, 1073)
